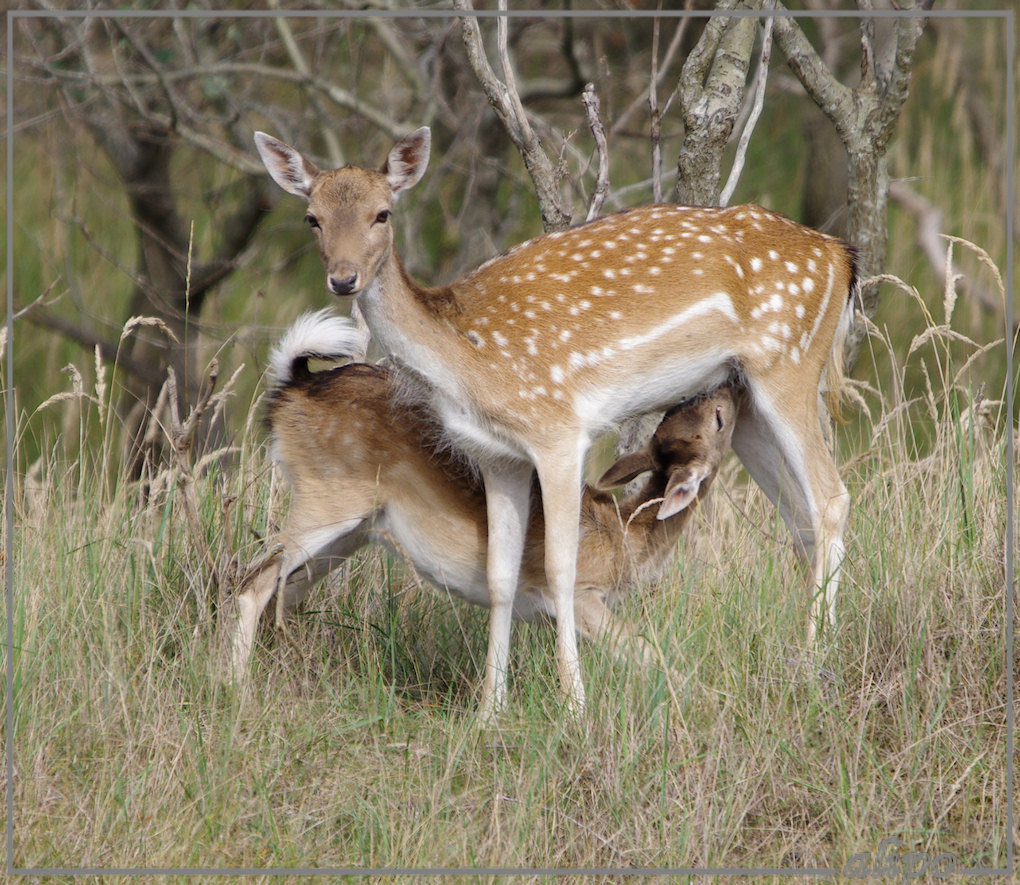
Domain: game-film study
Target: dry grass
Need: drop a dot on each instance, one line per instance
(358, 746)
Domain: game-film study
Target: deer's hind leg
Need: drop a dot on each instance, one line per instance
(783, 448)
(309, 554)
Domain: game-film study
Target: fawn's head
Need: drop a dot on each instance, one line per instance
(686, 448)
(349, 208)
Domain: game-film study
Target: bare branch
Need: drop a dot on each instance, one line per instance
(896, 79)
(90, 340)
(238, 229)
(930, 239)
(864, 115)
(28, 308)
(157, 69)
(591, 110)
(506, 102)
(512, 94)
(297, 58)
(226, 153)
(825, 90)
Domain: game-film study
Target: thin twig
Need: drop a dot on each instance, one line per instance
(39, 301)
(752, 120)
(656, 117)
(663, 69)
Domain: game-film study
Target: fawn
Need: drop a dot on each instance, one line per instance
(365, 465)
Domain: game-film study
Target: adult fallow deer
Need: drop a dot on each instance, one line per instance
(530, 356)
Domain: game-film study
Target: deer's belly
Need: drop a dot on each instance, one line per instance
(452, 557)
(449, 555)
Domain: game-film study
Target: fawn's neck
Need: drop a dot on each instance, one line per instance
(647, 540)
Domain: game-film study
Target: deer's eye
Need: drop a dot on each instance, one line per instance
(383, 217)
(312, 221)
(718, 418)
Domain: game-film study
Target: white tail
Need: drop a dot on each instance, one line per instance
(316, 335)
(530, 356)
(366, 468)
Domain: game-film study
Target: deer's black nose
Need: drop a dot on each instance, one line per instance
(344, 286)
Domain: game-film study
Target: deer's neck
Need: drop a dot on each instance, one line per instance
(417, 327)
(402, 316)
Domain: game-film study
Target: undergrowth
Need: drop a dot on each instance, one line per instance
(357, 745)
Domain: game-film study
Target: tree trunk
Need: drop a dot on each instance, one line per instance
(142, 156)
(867, 229)
(864, 118)
(710, 104)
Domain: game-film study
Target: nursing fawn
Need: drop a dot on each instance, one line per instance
(367, 466)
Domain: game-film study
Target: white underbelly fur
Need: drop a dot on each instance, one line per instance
(464, 579)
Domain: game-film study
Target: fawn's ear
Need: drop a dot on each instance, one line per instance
(408, 160)
(682, 490)
(288, 168)
(625, 469)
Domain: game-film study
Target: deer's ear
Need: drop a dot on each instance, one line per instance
(408, 160)
(288, 168)
(682, 490)
(625, 469)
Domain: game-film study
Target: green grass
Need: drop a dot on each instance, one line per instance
(358, 744)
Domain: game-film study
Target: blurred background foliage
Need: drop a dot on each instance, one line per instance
(108, 111)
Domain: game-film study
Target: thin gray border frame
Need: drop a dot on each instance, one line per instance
(8, 396)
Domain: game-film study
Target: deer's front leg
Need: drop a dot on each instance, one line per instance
(559, 475)
(507, 493)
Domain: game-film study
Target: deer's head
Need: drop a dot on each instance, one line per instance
(686, 450)
(349, 208)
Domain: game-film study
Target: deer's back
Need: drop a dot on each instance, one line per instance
(347, 434)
